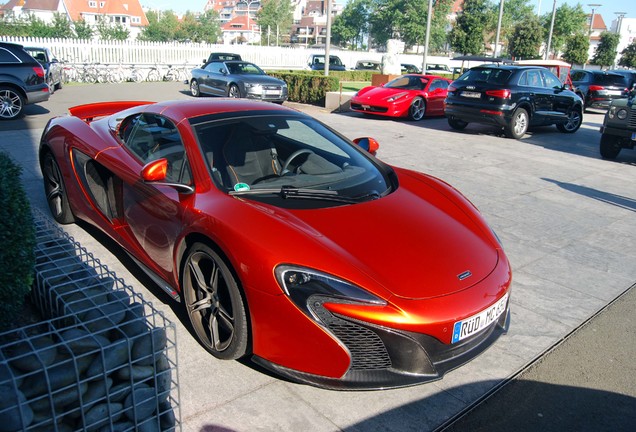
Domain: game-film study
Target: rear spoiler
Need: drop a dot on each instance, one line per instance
(88, 112)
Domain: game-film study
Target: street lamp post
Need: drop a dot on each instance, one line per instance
(620, 16)
(501, 8)
(428, 33)
(547, 50)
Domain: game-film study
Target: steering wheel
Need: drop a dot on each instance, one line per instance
(293, 156)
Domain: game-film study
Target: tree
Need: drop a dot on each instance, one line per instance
(352, 24)
(440, 26)
(398, 19)
(209, 29)
(605, 53)
(526, 39)
(107, 31)
(515, 12)
(82, 29)
(628, 56)
(61, 26)
(275, 16)
(467, 35)
(568, 21)
(577, 49)
(162, 27)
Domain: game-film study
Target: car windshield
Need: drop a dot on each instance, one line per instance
(407, 82)
(283, 159)
(37, 53)
(610, 80)
(333, 60)
(488, 75)
(243, 68)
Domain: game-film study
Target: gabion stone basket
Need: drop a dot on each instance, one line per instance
(105, 360)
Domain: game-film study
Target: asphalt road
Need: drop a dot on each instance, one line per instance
(566, 218)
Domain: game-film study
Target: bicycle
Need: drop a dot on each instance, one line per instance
(155, 73)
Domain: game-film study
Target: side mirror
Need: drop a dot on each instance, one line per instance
(368, 144)
(155, 172)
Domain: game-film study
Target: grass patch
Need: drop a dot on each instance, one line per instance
(354, 85)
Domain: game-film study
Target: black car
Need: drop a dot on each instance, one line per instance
(220, 56)
(237, 79)
(22, 81)
(630, 75)
(52, 67)
(598, 88)
(513, 98)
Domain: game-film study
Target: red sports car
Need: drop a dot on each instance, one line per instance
(283, 240)
(413, 96)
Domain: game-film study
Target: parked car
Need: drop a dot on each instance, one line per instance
(619, 126)
(598, 88)
(629, 74)
(216, 56)
(258, 218)
(22, 81)
(512, 98)
(237, 79)
(372, 65)
(409, 68)
(438, 68)
(412, 96)
(317, 62)
(53, 69)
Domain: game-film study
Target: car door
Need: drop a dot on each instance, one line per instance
(539, 96)
(213, 79)
(154, 215)
(437, 91)
(562, 100)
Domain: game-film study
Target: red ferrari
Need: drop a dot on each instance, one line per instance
(283, 240)
(413, 96)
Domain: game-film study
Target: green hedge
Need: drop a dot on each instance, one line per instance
(17, 243)
(307, 87)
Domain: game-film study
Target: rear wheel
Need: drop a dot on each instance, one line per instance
(214, 303)
(11, 103)
(610, 147)
(417, 109)
(456, 123)
(518, 124)
(55, 191)
(575, 118)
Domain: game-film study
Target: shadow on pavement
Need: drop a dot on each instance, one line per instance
(606, 197)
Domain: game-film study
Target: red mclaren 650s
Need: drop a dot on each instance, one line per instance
(284, 241)
(413, 96)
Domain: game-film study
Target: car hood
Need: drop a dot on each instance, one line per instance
(371, 93)
(259, 79)
(415, 243)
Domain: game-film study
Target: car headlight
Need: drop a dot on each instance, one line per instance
(396, 97)
(254, 88)
(621, 114)
(301, 283)
(612, 112)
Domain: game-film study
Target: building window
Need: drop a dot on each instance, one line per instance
(136, 20)
(92, 4)
(101, 4)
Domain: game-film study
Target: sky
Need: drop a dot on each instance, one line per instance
(607, 8)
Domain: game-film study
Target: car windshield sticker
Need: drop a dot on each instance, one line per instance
(240, 187)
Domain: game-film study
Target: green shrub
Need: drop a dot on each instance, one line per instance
(307, 87)
(17, 242)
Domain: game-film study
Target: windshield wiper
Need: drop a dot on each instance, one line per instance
(291, 192)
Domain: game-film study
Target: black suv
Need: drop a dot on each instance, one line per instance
(513, 98)
(21, 81)
(598, 88)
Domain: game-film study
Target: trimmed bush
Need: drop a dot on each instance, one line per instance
(17, 241)
(306, 87)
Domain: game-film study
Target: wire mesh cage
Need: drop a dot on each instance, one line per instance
(105, 359)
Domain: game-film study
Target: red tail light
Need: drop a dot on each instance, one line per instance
(501, 94)
(596, 88)
(39, 71)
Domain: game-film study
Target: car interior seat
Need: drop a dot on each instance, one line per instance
(249, 157)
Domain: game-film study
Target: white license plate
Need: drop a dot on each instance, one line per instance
(614, 92)
(470, 94)
(474, 324)
(272, 92)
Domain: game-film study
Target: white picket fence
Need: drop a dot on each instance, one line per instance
(147, 54)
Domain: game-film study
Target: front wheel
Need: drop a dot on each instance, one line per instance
(575, 118)
(417, 109)
(610, 147)
(234, 91)
(214, 304)
(194, 88)
(518, 124)
(55, 191)
(456, 123)
(11, 103)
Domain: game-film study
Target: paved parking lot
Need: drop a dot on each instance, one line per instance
(566, 218)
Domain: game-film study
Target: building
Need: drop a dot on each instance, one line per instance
(310, 21)
(127, 13)
(595, 29)
(626, 27)
(241, 30)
